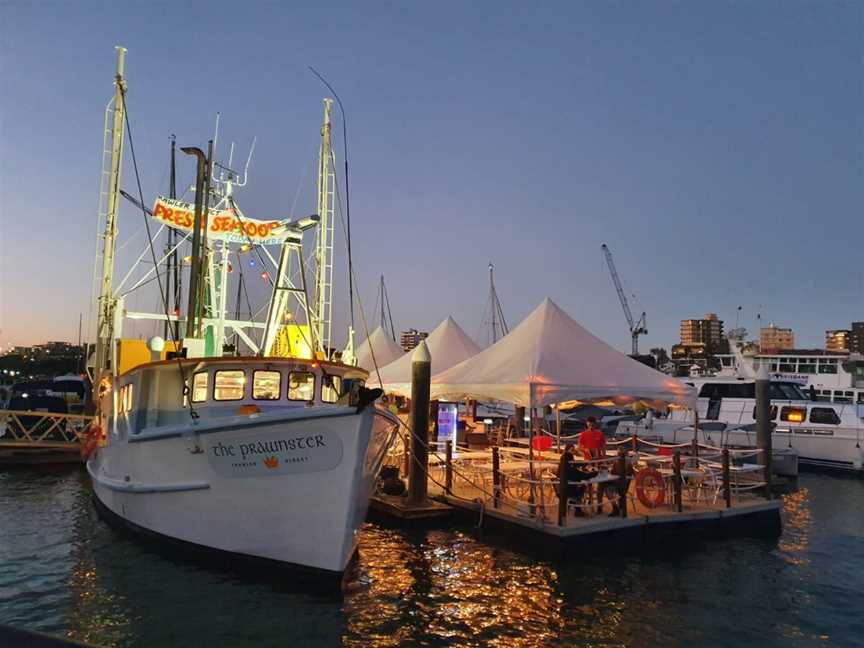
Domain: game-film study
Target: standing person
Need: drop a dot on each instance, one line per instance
(592, 441)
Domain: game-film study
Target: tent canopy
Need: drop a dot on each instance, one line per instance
(448, 345)
(550, 358)
(385, 348)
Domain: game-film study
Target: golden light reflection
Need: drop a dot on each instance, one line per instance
(798, 523)
(448, 588)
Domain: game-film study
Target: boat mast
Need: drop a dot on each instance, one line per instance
(493, 307)
(386, 314)
(173, 269)
(107, 303)
(324, 243)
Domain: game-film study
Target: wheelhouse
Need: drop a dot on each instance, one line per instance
(170, 391)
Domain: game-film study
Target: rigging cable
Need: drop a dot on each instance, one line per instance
(192, 413)
(347, 195)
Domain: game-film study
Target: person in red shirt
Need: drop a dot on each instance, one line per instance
(592, 441)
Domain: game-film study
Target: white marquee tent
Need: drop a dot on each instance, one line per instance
(386, 351)
(448, 345)
(549, 358)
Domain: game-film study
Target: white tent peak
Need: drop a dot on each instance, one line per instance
(386, 350)
(549, 358)
(448, 345)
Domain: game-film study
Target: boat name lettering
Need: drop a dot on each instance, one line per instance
(268, 447)
(274, 453)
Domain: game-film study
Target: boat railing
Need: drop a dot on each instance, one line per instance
(42, 428)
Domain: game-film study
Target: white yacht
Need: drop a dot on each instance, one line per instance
(270, 456)
(825, 375)
(821, 433)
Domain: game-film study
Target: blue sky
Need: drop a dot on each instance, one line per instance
(716, 147)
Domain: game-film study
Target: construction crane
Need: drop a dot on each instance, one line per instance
(636, 328)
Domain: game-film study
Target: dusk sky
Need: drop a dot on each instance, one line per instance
(716, 147)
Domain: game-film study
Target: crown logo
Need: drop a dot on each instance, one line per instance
(271, 462)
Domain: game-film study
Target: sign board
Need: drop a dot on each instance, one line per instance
(801, 379)
(448, 416)
(268, 454)
(222, 224)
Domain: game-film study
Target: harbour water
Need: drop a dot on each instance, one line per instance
(63, 571)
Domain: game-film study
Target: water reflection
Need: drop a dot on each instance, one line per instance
(451, 589)
(63, 571)
(797, 523)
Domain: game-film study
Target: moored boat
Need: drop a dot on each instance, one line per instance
(269, 455)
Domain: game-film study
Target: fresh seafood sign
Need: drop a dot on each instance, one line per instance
(222, 224)
(276, 453)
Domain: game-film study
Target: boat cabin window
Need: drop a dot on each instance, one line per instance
(124, 399)
(301, 386)
(785, 391)
(824, 415)
(266, 385)
(793, 414)
(199, 387)
(331, 388)
(717, 391)
(826, 368)
(228, 384)
(843, 397)
(772, 413)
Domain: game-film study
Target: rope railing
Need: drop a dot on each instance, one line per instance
(474, 481)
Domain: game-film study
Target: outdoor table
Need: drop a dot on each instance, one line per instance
(597, 480)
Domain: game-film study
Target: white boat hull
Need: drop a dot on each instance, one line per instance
(841, 450)
(293, 489)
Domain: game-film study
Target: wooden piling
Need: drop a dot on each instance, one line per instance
(763, 424)
(727, 484)
(421, 374)
(448, 467)
(635, 442)
(496, 477)
(676, 467)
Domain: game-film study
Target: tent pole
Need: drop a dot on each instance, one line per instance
(558, 427)
(531, 499)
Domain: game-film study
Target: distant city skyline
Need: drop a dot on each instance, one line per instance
(716, 148)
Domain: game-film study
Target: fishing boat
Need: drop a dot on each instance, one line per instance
(269, 455)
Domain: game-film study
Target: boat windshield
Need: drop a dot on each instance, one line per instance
(786, 391)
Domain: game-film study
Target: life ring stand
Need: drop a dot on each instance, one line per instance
(655, 481)
(91, 441)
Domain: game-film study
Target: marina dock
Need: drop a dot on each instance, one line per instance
(702, 496)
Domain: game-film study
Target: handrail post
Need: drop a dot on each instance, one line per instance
(727, 486)
(676, 465)
(622, 482)
(448, 467)
(635, 441)
(496, 477)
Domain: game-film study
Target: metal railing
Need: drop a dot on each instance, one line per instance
(42, 428)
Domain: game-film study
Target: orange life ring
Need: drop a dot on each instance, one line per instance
(91, 441)
(649, 477)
